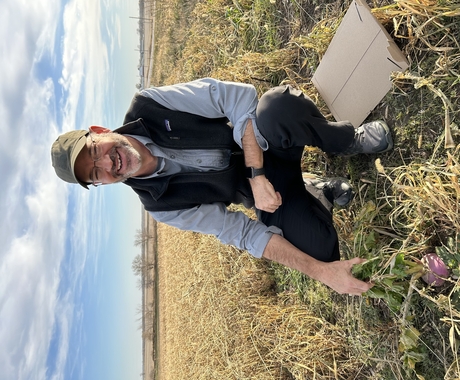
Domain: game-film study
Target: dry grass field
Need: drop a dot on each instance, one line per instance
(224, 315)
(221, 318)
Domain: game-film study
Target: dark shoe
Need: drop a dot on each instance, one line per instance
(373, 137)
(339, 191)
(336, 190)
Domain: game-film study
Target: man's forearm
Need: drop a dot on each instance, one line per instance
(253, 154)
(282, 251)
(265, 196)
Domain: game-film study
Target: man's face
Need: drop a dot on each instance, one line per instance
(107, 158)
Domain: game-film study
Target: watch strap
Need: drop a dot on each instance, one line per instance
(252, 172)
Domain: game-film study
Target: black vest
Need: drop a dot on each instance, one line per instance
(181, 130)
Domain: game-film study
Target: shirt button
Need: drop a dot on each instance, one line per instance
(199, 161)
(172, 156)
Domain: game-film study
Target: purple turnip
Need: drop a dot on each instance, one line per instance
(436, 270)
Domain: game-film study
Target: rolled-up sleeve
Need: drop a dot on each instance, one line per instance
(234, 228)
(212, 98)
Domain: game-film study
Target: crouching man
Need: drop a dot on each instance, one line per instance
(191, 149)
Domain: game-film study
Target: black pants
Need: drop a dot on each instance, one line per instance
(289, 120)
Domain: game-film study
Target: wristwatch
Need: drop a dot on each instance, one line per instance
(252, 172)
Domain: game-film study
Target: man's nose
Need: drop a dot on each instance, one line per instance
(105, 163)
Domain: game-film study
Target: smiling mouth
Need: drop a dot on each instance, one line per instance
(119, 162)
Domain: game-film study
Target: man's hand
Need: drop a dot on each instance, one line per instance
(337, 275)
(265, 196)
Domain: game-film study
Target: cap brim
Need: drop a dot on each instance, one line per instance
(81, 143)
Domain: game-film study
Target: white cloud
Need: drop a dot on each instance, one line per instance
(34, 202)
(29, 260)
(30, 280)
(22, 25)
(85, 63)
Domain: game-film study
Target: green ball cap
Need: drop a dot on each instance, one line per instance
(64, 152)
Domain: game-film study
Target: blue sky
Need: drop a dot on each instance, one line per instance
(68, 298)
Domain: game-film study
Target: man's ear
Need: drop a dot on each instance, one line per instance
(98, 129)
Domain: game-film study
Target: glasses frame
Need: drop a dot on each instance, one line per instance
(92, 152)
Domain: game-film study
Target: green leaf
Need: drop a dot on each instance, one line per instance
(388, 281)
(400, 288)
(376, 292)
(371, 241)
(411, 358)
(399, 272)
(366, 270)
(408, 339)
(394, 301)
(399, 260)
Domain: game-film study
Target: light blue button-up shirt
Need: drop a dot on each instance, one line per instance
(212, 99)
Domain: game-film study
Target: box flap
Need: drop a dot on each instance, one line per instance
(354, 74)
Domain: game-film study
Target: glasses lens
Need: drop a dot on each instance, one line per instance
(95, 150)
(96, 175)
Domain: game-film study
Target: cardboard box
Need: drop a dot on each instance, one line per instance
(354, 74)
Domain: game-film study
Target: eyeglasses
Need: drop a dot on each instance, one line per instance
(95, 152)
